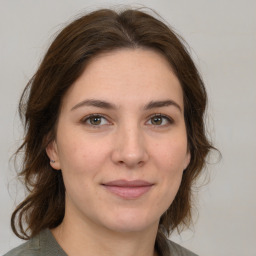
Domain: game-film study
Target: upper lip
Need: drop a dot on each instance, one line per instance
(127, 183)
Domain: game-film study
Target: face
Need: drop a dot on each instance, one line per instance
(121, 141)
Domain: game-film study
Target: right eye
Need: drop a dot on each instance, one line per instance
(95, 120)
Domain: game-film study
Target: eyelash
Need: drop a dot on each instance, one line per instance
(169, 119)
(87, 118)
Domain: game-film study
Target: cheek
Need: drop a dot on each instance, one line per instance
(172, 154)
(170, 157)
(79, 168)
(80, 156)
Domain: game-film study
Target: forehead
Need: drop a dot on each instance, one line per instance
(126, 76)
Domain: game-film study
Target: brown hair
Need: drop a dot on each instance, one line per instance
(100, 31)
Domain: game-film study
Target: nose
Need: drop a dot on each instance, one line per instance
(130, 148)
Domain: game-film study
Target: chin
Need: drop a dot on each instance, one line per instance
(128, 227)
(124, 223)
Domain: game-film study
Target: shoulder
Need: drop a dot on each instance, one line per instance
(42, 244)
(178, 250)
(30, 248)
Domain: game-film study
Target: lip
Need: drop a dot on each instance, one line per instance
(128, 189)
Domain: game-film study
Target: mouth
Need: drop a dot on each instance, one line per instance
(128, 189)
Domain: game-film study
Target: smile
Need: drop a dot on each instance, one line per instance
(128, 189)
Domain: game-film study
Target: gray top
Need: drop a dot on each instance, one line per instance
(44, 244)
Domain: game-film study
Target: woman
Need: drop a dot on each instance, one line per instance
(114, 140)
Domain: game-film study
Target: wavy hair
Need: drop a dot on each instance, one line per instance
(101, 31)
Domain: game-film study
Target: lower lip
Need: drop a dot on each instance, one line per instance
(128, 192)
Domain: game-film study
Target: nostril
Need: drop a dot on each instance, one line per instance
(129, 152)
(140, 163)
(130, 164)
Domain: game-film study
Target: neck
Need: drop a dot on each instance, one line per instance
(84, 239)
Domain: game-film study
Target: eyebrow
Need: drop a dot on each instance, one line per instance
(107, 105)
(95, 103)
(162, 103)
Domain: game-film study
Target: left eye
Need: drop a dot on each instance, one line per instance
(159, 120)
(95, 120)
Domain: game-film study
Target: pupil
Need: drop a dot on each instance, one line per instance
(157, 120)
(95, 120)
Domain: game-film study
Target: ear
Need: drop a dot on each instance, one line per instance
(187, 160)
(52, 152)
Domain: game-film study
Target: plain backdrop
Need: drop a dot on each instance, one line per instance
(222, 39)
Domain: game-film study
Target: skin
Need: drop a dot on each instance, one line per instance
(125, 142)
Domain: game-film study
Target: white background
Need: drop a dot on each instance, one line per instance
(222, 36)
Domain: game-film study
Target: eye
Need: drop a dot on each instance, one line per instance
(95, 120)
(159, 120)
